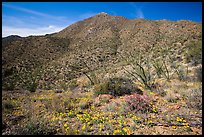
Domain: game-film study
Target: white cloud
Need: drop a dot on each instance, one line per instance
(26, 26)
(139, 13)
(37, 23)
(33, 12)
(138, 10)
(6, 30)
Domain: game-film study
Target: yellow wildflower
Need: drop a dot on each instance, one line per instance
(127, 130)
(154, 110)
(115, 132)
(179, 119)
(67, 128)
(153, 116)
(65, 125)
(84, 127)
(151, 93)
(174, 127)
(76, 131)
(57, 129)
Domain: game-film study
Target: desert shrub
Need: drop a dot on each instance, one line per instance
(158, 66)
(195, 98)
(123, 109)
(141, 73)
(68, 105)
(117, 87)
(32, 86)
(84, 103)
(38, 128)
(101, 88)
(8, 72)
(64, 86)
(9, 85)
(58, 103)
(30, 78)
(194, 53)
(199, 74)
(171, 96)
(10, 82)
(121, 86)
(9, 78)
(138, 103)
(182, 73)
(166, 71)
(72, 84)
(141, 68)
(111, 107)
(7, 106)
(172, 99)
(96, 104)
(104, 100)
(94, 78)
(161, 92)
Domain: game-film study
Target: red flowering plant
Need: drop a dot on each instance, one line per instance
(139, 103)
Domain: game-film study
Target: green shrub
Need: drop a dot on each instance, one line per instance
(101, 88)
(116, 87)
(194, 53)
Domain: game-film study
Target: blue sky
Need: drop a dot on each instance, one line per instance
(39, 18)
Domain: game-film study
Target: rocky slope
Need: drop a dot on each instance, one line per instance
(92, 45)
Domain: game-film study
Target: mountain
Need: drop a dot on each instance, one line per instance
(92, 46)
